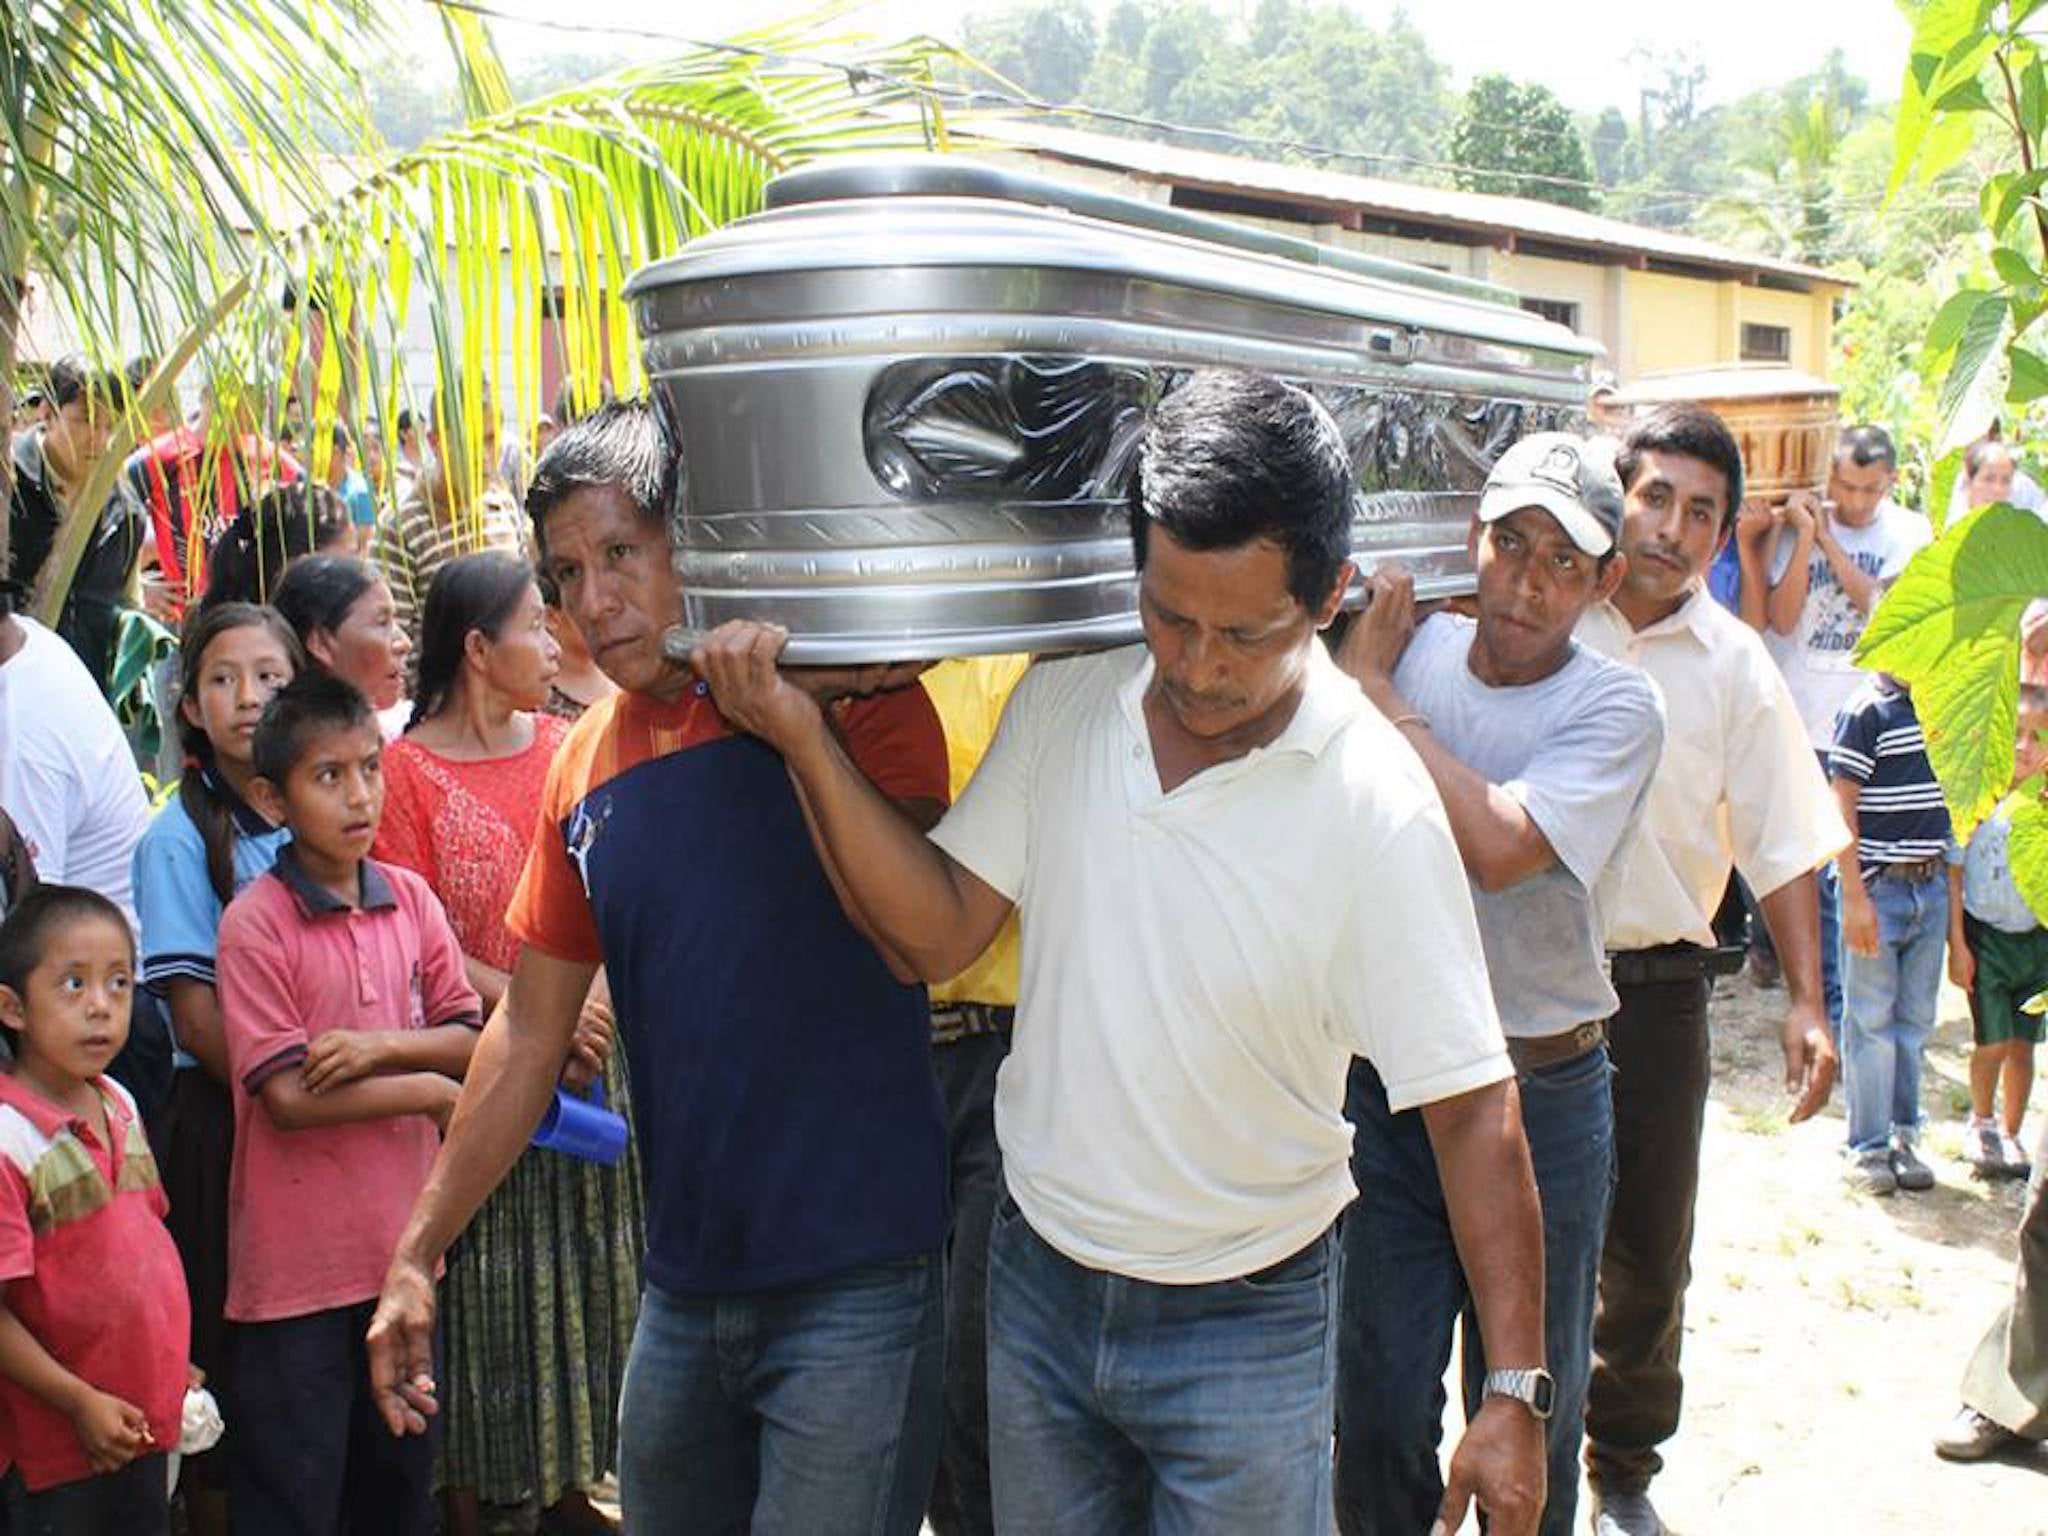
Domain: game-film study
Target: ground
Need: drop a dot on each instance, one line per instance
(1827, 1330)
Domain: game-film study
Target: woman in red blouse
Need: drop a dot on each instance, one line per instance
(541, 1294)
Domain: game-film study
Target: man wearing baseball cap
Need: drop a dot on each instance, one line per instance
(1542, 751)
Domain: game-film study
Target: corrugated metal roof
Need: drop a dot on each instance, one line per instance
(1471, 213)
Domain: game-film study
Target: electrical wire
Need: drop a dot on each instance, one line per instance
(972, 98)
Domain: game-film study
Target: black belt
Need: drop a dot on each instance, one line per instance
(961, 1021)
(1673, 962)
(1918, 872)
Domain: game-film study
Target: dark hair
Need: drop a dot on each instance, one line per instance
(32, 924)
(72, 379)
(1863, 446)
(472, 593)
(343, 438)
(1688, 430)
(620, 444)
(310, 703)
(1230, 458)
(283, 525)
(318, 592)
(208, 808)
(405, 422)
(1975, 455)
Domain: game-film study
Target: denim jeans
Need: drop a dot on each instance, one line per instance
(1118, 1405)
(1827, 887)
(1889, 1001)
(967, 1077)
(812, 1410)
(1404, 1289)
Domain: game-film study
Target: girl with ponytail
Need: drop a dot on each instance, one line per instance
(285, 524)
(200, 850)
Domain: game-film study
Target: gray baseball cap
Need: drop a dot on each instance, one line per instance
(1571, 478)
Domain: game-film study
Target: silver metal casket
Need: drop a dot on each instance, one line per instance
(908, 398)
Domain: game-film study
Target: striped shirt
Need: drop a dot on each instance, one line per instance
(420, 537)
(1901, 816)
(88, 1268)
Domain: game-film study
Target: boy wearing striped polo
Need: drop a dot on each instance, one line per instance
(1894, 928)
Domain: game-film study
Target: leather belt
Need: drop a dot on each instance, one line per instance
(961, 1021)
(1918, 872)
(1533, 1055)
(1673, 962)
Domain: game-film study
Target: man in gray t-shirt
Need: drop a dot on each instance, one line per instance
(1543, 752)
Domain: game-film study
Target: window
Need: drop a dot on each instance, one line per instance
(1563, 312)
(1766, 343)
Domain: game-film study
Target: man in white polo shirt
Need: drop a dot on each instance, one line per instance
(1738, 787)
(1542, 751)
(1233, 877)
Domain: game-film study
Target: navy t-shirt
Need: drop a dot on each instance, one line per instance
(789, 1122)
(1900, 814)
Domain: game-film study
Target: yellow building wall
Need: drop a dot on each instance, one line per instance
(1595, 289)
(1810, 317)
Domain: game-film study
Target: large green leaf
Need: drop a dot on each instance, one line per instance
(2028, 851)
(1949, 627)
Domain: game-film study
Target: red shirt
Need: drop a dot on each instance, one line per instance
(314, 1215)
(88, 1266)
(169, 474)
(466, 828)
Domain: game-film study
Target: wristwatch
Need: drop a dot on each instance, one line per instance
(1534, 1388)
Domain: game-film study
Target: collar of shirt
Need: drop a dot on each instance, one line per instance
(51, 1120)
(1328, 699)
(1690, 618)
(317, 901)
(248, 820)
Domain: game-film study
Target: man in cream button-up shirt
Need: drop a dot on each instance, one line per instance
(1738, 787)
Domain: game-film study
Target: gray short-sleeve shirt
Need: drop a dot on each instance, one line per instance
(1578, 749)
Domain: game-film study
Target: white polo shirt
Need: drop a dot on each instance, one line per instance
(1738, 783)
(1200, 967)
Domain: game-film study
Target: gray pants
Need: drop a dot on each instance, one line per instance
(2007, 1380)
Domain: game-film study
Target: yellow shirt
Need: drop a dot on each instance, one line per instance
(969, 693)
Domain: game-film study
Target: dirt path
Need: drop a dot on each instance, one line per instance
(1826, 1329)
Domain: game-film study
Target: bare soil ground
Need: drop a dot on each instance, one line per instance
(1826, 1330)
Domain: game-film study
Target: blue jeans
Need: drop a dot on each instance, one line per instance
(1827, 887)
(811, 1410)
(1888, 1008)
(1117, 1405)
(1404, 1289)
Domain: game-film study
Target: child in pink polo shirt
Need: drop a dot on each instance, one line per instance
(348, 1018)
(93, 1315)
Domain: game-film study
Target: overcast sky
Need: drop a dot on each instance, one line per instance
(1582, 49)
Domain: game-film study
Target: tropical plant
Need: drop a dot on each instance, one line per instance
(1950, 626)
(202, 176)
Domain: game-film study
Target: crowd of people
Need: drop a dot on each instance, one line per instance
(1083, 1094)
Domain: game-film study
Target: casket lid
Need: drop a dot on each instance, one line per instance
(900, 214)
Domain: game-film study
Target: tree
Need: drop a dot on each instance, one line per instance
(1950, 625)
(163, 169)
(1609, 141)
(1518, 140)
(1046, 47)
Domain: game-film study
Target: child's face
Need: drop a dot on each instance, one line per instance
(2030, 755)
(241, 669)
(72, 1018)
(333, 795)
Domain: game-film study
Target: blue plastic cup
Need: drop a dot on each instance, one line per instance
(585, 1128)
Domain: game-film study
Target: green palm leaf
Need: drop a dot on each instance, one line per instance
(194, 149)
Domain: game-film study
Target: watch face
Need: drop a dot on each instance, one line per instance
(1544, 1394)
